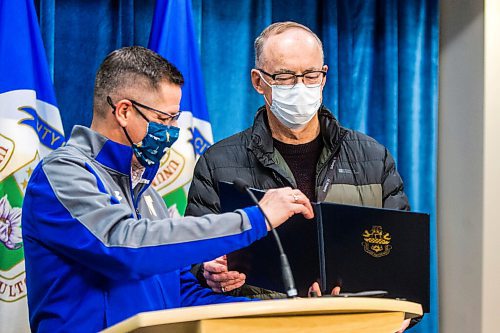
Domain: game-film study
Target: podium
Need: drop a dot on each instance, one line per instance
(329, 314)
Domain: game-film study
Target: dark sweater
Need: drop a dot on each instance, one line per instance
(302, 160)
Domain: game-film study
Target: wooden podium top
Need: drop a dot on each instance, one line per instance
(270, 308)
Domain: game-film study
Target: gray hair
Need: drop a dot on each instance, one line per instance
(129, 67)
(276, 29)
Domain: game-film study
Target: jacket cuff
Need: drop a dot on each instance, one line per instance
(256, 218)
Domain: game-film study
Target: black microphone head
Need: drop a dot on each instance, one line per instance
(240, 185)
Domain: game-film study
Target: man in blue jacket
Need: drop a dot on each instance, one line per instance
(99, 244)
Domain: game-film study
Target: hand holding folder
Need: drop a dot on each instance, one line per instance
(356, 248)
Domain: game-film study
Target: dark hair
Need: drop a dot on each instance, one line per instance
(128, 67)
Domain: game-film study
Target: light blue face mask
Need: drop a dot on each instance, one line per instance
(155, 144)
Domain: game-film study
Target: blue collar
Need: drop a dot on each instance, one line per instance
(109, 153)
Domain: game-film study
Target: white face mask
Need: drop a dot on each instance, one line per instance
(294, 107)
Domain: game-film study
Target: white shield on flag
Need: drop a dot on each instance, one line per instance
(173, 37)
(30, 128)
(176, 167)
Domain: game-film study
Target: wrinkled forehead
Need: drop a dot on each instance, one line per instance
(293, 49)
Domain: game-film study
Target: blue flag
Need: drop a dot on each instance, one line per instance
(30, 127)
(172, 36)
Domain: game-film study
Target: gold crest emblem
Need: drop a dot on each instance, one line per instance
(376, 242)
(171, 166)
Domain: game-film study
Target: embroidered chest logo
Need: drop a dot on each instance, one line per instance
(118, 196)
(376, 242)
(149, 203)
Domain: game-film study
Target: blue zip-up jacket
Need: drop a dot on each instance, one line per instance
(99, 251)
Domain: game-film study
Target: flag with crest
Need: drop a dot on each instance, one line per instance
(30, 128)
(173, 36)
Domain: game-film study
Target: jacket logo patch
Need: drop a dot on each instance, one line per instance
(118, 196)
(348, 171)
(376, 242)
(149, 203)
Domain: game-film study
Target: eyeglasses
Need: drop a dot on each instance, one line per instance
(137, 104)
(170, 116)
(310, 78)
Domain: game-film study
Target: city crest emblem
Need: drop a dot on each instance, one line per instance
(376, 242)
(29, 130)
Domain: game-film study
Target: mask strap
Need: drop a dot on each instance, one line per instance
(267, 102)
(128, 136)
(264, 80)
(110, 102)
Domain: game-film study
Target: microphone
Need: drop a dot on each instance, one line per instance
(286, 271)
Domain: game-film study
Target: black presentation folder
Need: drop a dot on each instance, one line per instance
(358, 248)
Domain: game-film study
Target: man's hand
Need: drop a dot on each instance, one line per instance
(279, 205)
(282, 203)
(317, 290)
(405, 325)
(219, 278)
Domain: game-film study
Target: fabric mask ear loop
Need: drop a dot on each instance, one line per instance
(265, 99)
(128, 137)
(110, 102)
(143, 116)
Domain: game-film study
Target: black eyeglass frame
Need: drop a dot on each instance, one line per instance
(273, 76)
(135, 104)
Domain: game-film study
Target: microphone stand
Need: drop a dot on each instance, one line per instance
(286, 271)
